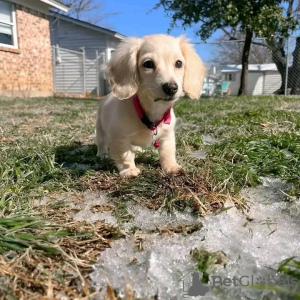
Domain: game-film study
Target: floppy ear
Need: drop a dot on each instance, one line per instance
(194, 70)
(121, 70)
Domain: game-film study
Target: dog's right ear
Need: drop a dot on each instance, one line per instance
(194, 69)
(121, 70)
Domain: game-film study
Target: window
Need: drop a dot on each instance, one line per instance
(229, 77)
(8, 32)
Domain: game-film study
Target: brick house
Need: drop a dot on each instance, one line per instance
(25, 48)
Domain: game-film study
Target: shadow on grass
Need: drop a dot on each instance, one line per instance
(81, 158)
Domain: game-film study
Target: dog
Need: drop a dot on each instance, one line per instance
(147, 76)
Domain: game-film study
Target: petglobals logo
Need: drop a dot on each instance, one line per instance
(253, 281)
(192, 285)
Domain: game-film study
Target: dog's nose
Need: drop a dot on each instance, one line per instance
(170, 88)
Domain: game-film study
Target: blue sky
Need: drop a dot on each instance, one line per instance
(136, 18)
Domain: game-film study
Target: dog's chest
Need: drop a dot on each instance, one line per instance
(143, 138)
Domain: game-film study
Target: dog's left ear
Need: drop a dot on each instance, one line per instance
(121, 70)
(194, 69)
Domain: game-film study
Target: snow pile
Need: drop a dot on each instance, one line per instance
(91, 200)
(149, 220)
(255, 242)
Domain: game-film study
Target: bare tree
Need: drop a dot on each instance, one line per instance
(230, 51)
(86, 10)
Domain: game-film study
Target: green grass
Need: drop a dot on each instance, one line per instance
(207, 261)
(289, 268)
(43, 140)
(259, 136)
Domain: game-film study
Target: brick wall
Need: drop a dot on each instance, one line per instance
(27, 71)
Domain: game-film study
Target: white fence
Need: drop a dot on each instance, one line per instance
(74, 73)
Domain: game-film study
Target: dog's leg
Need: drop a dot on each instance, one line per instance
(102, 145)
(121, 152)
(167, 155)
(100, 137)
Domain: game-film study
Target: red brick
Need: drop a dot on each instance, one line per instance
(29, 67)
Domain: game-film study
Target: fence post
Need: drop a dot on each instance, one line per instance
(53, 67)
(104, 78)
(97, 75)
(83, 69)
(287, 67)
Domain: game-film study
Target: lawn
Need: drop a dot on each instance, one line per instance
(47, 152)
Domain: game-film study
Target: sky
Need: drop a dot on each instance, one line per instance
(137, 18)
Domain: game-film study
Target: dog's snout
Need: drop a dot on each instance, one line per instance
(170, 88)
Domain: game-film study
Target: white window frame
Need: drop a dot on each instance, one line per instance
(227, 76)
(14, 28)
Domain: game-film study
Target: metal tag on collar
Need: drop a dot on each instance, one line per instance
(156, 143)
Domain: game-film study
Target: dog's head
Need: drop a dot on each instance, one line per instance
(159, 66)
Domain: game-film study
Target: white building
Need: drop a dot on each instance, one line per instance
(81, 49)
(263, 79)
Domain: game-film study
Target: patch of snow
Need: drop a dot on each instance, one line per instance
(148, 220)
(90, 200)
(255, 243)
(209, 140)
(90, 217)
(201, 154)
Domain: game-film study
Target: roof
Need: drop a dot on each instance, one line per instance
(251, 67)
(56, 4)
(88, 25)
(212, 76)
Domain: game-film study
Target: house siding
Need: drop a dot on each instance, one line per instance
(69, 71)
(259, 83)
(255, 83)
(272, 82)
(27, 71)
(73, 37)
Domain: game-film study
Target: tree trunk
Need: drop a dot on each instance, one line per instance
(245, 63)
(280, 59)
(294, 70)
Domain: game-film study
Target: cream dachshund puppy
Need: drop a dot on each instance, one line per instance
(147, 76)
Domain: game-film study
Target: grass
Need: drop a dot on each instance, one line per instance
(206, 261)
(288, 280)
(258, 137)
(47, 149)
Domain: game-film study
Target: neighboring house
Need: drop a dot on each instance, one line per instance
(263, 79)
(81, 49)
(209, 85)
(25, 52)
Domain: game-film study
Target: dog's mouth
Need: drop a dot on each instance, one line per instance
(165, 99)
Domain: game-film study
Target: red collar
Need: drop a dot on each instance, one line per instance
(143, 117)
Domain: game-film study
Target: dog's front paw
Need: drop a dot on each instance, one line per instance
(173, 169)
(103, 155)
(131, 172)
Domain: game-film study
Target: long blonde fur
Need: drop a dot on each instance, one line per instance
(118, 128)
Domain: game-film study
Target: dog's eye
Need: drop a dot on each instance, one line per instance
(178, 64)
(149, 64)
